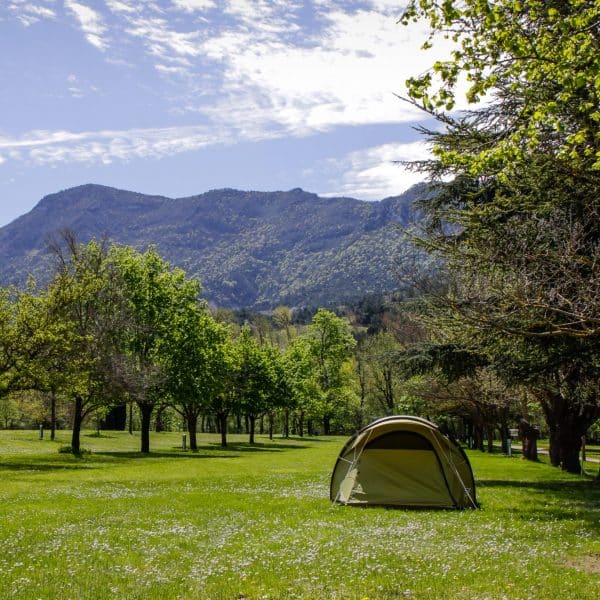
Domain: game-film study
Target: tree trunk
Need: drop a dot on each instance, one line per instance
(192, 425)
(301, 424)
(77, 421)
(529, 436)
(270, 426)
(222, 418)
(478, 437)
(490, 439)
(286, 424)
(146, 412)
(131, 418)
(554, 447)
(568, 421)
(504, 436)
(569, 440)
(158, 424)
(52, 415)
(251, 424)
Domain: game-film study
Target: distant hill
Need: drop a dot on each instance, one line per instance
(249, 249)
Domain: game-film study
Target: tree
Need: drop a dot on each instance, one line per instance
(330, 343)
(43, 339)
(381, 355)
(537, 60)
(155, 294)
(483, 402)
(84, 300)
(228, 400)
(279, 393)
(517, 225)
(283, 318)
(256, 378)
(305, 395)
(196, 364)
(8, 347)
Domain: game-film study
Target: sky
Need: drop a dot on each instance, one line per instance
(177, 97)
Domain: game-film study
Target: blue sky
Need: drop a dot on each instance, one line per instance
(177, 97)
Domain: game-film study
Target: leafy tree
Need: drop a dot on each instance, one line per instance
(196, 364)
(381, 356)
(256, 378)
(279, 393)
(86, 303)
(305, 394)
(537, 60)
(155, 294)
(228, 400)
(330, 344)
(284, 318)
(8, 350)
(517, 226)
(43, 338)
(483, 401)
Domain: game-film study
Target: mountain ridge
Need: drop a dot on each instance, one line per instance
(249, 249)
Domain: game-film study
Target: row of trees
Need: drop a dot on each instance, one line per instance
(115, 325)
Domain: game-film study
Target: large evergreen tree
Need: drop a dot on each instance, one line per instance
(517, 226)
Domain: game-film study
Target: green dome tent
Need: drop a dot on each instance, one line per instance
(403, 461)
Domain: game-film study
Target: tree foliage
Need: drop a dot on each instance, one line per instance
(538, 58)
(517, 224)
(155, 295)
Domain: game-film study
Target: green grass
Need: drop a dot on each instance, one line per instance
(256, 522)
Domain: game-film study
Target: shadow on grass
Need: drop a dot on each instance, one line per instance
(554, 500)
(136, 455)
(215, 450)
(556, 485)
(256, 447)
(42, 467)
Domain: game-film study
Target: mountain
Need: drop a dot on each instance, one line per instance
(249, 249)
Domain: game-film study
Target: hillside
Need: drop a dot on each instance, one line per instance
(249, 249)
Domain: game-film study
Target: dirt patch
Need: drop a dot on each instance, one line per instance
(590, 563)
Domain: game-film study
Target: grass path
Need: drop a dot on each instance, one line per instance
(255, 522)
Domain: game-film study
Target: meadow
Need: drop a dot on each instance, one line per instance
(255, 522)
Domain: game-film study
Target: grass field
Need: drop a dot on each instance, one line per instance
(256, 522)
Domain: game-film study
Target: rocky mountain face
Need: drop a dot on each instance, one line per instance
(249, 249)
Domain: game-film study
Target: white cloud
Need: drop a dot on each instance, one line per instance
(191, 6)
(258, 72)
(348, 74)
(163, 42)
(389, 7)
(91, 23)
(116, 6)
(266, 17)
(29, 13)
(374, 173)
(43, 147)
(170, 70)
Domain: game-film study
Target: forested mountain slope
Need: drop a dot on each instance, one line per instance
(249, 249)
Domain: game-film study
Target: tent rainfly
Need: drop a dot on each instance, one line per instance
(403, 461)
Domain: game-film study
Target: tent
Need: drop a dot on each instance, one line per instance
(403, 461)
